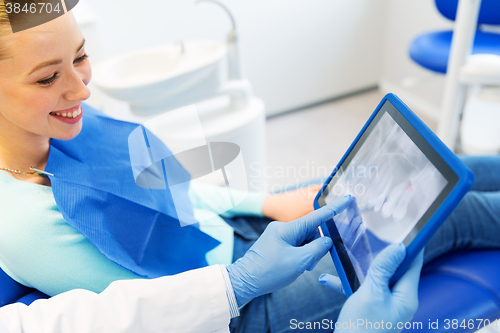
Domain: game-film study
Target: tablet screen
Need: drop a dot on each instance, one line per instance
(397, 181)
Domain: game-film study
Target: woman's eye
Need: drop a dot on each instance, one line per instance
(50, 80)
(82, 58)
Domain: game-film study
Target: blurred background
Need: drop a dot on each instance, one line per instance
(302, 79)
(295, 53)
(320, 66)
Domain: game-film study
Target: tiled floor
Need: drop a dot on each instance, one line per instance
(308, 144)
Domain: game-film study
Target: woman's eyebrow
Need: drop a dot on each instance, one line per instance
(53, 62)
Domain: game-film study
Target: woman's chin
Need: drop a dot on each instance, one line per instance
(70, 133)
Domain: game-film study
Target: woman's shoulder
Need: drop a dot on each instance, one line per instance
(12, 188)
(25, 206)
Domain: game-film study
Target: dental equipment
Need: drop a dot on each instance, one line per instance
(158, 83)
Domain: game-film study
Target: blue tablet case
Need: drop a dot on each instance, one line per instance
(465, 181)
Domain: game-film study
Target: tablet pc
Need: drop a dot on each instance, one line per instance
(404, 182)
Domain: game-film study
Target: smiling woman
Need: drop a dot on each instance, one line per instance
(61, 236)
(44, 80)
(89, 224)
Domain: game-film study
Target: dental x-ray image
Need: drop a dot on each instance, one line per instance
(393, 184)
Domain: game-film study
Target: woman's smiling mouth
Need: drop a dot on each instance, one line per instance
(70, 116)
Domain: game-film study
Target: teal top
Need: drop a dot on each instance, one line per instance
(39, 249)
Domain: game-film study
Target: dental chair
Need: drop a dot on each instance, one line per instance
(12, 292)
(463, 285)
(470, 57)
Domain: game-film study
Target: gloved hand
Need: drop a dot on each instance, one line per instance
(277, 259)
(374, 302)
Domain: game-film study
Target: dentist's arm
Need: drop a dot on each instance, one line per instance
(194, 301)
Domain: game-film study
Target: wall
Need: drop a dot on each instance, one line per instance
(405, 20)
(294, 52)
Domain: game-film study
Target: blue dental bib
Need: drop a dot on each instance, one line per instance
(101, 190)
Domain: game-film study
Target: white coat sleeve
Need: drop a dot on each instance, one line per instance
(194, 301)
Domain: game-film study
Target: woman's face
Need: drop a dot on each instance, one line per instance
(46, 72)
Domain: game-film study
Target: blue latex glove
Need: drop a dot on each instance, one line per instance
(374, 302)
(277, 259)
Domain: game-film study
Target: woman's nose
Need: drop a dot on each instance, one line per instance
(77, 87)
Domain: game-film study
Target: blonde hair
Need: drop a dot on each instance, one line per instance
(5, 24)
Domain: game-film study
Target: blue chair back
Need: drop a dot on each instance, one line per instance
(488, 14)
(11, 291)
